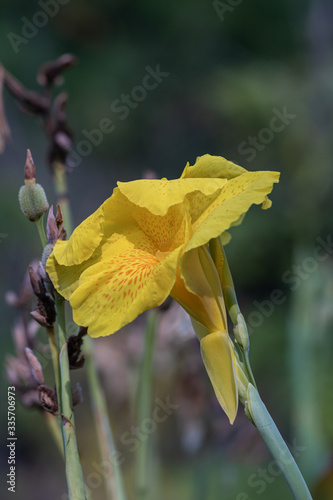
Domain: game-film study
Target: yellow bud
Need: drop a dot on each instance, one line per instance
(217, 356)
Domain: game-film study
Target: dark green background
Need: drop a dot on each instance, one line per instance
(227, 74)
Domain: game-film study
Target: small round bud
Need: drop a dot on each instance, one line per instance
(33, 201)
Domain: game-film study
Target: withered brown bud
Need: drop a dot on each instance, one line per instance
(54, 228)
(41, 320)
(51, 227)
(62, 235)
(35, 366)
(50, 73)
(61, 134)
(48, 399)
(45, 313)
(35, 281)
(74, 344)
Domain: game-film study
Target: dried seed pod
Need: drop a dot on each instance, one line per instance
(48, 399)
(74, 344)
(45, 313)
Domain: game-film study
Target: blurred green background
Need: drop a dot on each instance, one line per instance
(231, 68)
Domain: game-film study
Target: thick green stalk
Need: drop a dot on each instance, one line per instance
(74, 474)
(276, 445)
(144, 406)
(114, 482)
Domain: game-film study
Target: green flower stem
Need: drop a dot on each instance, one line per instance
(41, 230)
(248, 368)
(51, 422)
(60, 184)
(254, 407)
(114, 482)
(276, 445)
(144, 405)
(104, 432)
(55, 358)
(74, 474)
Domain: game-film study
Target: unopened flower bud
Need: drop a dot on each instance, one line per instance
(241, 332)
(32, 197)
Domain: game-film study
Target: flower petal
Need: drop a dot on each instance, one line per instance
(217, 167)
(235, 199)
(213, 166)
(194, 289)
(169, 231)
(66, 278)
(217, 357)
(159, 195)
(127, 281)
(83, 242)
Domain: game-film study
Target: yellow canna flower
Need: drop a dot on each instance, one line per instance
(150, 240)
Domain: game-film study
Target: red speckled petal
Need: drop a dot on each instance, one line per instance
(127, 281)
